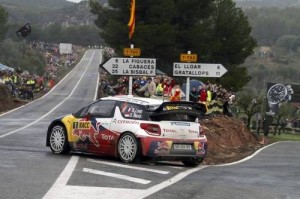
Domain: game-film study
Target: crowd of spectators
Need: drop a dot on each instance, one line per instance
(162, 86)
(24, 85)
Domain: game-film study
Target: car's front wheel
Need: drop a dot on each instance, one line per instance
(128, 148)
(58, 140)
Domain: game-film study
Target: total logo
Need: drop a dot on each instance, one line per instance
(169, 131)
(107, 137)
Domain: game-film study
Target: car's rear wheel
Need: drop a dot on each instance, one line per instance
(128, 148)
(192, 162)
(58, 140)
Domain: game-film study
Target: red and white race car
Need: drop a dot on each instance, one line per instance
(130, 127)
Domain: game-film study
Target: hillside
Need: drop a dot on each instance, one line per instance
(271, 64)
(44, 12)
(267, 3)
(35, 5)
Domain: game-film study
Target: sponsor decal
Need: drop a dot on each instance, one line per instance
(127, 122)
(82, 125)
(85, 130)
(171, 107)
(107, 137)
(131, 110)
(193, 132)
(163, 147)
(200, 148)
(180, 123)
(169, 130)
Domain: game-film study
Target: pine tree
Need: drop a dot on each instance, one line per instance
(216, 30)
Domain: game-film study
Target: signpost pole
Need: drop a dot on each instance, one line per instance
(130, 77)
(187, 92)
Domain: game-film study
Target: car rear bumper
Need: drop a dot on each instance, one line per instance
(162, 147)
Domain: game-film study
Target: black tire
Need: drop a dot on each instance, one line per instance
(128, 148)
(192, 162)
(58, 140)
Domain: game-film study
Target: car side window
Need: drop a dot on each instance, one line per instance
(82, 112)
(132, 111)
(103, 108)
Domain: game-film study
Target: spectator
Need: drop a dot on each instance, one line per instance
(194, 95)
(226, 106)
(143, 81)
(176, 96)
(167, 87)
(209, 94)
(149, 89)
(282, 126)
(159, 88)
(182, 94)
(203, 94)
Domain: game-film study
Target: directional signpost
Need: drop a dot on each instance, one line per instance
(195, 70)
(130, 66)
(198, 70)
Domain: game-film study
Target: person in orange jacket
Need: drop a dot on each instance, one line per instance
(176, 96)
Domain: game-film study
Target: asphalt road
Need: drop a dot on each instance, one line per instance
(29, 170)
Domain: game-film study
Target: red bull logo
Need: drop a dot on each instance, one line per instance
(85, 130)
(200, 148)
(163, 148)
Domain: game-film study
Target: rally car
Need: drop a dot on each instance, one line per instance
(130, 128)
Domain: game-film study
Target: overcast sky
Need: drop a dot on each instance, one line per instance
(75, 1)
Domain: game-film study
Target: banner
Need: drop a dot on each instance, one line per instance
(131, 23)
(278, 93)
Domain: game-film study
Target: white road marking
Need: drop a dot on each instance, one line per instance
(176, 167)
(63, 178)
(169, 182)
(129, 167)
(246, 158)
(61, 190)
(53, 109)
(115, 175)
(79, 192)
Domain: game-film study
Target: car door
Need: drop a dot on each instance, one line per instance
(92, 128)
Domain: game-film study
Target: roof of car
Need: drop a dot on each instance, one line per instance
(136, 100)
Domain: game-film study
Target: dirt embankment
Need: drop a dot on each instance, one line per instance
(228, 140)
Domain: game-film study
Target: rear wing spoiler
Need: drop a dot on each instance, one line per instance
(180, 106)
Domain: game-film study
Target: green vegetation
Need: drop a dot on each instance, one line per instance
(83, 35)
(284, 137)
(3, 22)
(15, 54)
(216, 30)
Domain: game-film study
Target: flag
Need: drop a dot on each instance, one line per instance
(24, 31)
(131, 23)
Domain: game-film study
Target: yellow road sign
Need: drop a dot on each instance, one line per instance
(188, 57)
(135, 52)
